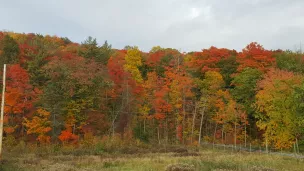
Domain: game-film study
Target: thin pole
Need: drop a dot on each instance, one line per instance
(294, 147)
(235, 134)
(2, 109)
(245, 134)
(298, 151)
(266, 145)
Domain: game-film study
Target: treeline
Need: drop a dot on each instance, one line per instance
(60, 91)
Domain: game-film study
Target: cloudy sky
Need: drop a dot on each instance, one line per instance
(186, 25)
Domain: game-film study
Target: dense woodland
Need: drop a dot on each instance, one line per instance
(58, 91)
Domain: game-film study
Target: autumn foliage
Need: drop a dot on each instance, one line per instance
(65, 90)
(255, 56)
(39, 125)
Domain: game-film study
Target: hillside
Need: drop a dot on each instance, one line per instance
(65, 93)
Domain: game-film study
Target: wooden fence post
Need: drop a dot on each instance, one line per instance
(2, 109)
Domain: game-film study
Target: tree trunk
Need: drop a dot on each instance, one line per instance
(235, 134)
(113, 121)
(184, 120)
(113, 131)
(245, 135)
(225, 137)
(158, 135)
(223, 134)
(193, 122)
(266, 145)
(166, 130)
(153, 126)
(201, 125)
(22, 126)
(54, 127)
(214, 132)
(297, 145)
(145, 126)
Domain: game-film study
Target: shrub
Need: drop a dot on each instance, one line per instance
(180, 167)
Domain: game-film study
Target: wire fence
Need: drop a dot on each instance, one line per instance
(254, 149)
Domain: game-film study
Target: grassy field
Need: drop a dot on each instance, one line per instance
(177, 159)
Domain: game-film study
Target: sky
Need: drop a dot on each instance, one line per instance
(186, 25)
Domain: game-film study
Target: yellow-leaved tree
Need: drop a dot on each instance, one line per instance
(39, 125)
(278, 118)
(133, 61)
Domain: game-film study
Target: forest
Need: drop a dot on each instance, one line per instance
(66, 93)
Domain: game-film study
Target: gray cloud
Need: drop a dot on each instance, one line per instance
(183, 24)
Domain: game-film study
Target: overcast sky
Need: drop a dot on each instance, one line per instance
(187, 25)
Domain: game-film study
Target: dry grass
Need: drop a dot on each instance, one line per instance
(172, 160)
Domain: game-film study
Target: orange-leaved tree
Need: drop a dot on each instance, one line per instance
(255, 56)
(207, 59)
(39, 125)
(19, 97)
(67, 135)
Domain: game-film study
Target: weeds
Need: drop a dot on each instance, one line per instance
(101, 155)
